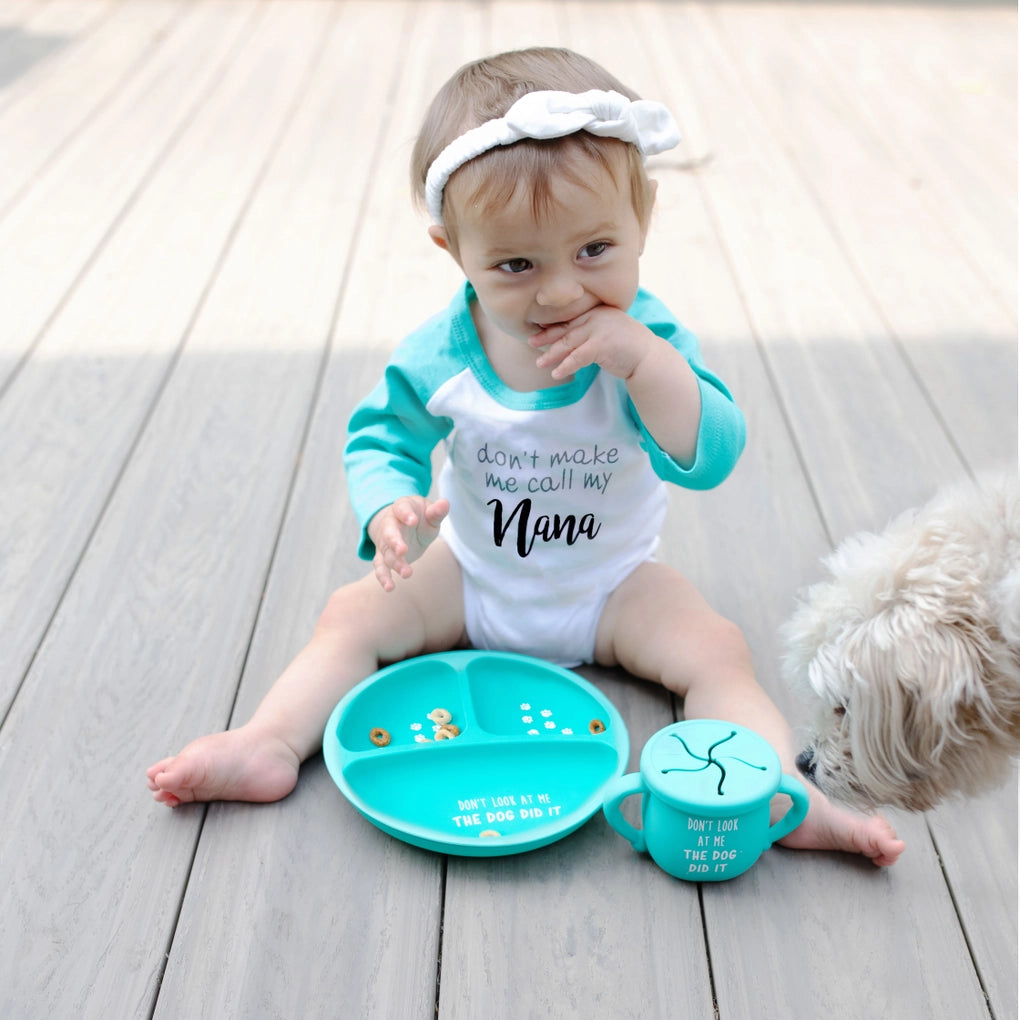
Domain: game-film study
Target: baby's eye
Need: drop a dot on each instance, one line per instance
(515, 266)
(594, 250)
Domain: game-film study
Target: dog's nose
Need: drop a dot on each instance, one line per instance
(806, 762)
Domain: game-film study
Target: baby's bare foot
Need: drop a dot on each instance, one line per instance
(234, 765)
(830, 827)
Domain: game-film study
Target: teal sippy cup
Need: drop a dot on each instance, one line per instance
(706, 786)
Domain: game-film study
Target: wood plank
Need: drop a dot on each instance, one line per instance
(750, 565)
(50, 235)
(944, 316)
(378, 940)
(13, 15)
(35, 33)
(38, 121)
(517, 24)
(160, 611)
(70, 417)
(963, 349)
(962, 63)
(823, 953)
(825, 344)
(751, 975)
(946, 162)
(976, 841)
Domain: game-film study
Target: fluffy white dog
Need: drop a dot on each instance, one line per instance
(912, 653)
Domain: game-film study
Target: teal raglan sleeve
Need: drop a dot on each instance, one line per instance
(390, 440)
(722, 432)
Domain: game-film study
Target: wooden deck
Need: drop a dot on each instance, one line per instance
(207, 249)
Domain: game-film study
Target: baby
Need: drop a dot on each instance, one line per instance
(566, 397)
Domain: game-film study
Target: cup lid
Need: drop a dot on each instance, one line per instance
(710, 766)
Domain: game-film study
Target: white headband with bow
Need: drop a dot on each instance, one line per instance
(642, 122)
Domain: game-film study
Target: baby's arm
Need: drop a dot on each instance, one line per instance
(401, 532)
(660, 382)
(388, 459)
(667, 396)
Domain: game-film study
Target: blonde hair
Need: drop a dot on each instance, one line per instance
(484, 90)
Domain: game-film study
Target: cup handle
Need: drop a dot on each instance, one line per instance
(796, 790)
(616, 793)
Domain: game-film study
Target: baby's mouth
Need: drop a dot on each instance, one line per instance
(563, 323)
(539, 326)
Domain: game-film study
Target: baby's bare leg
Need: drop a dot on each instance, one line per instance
(657, 626)
(361, 629)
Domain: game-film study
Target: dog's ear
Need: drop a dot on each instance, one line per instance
(813, 635)
(861, 575)
(919, 688)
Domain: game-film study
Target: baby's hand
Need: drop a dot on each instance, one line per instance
(605, 336)
(401, 533)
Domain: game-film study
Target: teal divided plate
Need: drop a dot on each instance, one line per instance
(521, 761)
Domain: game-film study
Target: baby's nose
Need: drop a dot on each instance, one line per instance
(559, 291)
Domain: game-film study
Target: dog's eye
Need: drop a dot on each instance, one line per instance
(840, 711)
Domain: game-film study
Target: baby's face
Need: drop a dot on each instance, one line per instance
(529, 274)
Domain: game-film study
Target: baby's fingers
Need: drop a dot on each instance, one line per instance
(390, 557)
(568, 360)
(385, 564)
(567, 348)
(382, 572)
(405, 513)
(551, 343)
(436, 512)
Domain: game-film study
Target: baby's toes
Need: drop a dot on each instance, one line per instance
(166, 797)
(154, 770)
(174, 780)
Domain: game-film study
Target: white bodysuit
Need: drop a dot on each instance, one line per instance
(556, 496)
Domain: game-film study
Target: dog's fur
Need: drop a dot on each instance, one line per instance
(911, 652)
